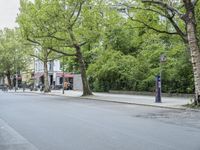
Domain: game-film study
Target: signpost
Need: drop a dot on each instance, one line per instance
(63, 91)
(159, 81)
(158, 89)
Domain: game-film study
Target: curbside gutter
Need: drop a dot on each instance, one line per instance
(140, 104)
(97, 98)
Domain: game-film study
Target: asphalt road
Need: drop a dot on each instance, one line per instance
(61, 123)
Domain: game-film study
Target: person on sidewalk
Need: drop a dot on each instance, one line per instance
(24, 86)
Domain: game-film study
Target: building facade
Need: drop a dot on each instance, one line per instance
(55, 75)
(1, 80)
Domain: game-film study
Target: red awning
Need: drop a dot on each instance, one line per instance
(38, 75)
(66, 75)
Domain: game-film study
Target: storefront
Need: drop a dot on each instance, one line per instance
(56, 79)
(68, 79)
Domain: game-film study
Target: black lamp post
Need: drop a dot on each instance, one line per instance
(159, 81)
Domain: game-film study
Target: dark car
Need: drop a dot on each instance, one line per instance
(4, 87)
(1, 86)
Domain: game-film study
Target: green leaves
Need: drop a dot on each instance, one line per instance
(117, 70)
(122, 50)
(12, 51)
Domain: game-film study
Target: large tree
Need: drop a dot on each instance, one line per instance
(34, 31)
(12, 53)
(173, 18)
(44, 55)
(68, 25)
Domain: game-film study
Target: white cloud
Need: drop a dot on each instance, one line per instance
(8, 13)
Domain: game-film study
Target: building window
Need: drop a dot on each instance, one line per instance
(51, 66)
(61, 80)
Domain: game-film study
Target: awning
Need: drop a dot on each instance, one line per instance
(38, 75)
(66, 75)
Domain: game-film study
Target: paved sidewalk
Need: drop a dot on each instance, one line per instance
(167, 102)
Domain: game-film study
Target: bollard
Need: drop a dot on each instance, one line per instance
(158, 90)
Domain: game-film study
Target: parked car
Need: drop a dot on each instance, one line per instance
(1, 86)
(4, 87)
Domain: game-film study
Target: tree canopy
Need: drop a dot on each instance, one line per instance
(119, 43)
(13, 53)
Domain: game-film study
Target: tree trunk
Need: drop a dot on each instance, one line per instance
(86, 87)
(195, 59)
(9, 79)
(46, 79)
(193, 46)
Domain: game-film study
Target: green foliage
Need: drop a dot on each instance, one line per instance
(63, 24)
(177, 76)
(120, 53)
(138, 62)
(114, 70)
(52, 23)
(193, 105)
(12, 52)
(198, 20)
(123, 38)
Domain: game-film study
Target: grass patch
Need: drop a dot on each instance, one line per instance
(193, 106)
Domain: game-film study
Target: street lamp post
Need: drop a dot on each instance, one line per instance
(63, 91)
(16, 75)
(159, 81)
(16, 81)
(34, 84)
(158, 89)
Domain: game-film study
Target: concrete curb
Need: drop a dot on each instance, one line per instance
(146, 105)
(151, 93)
(111, 101)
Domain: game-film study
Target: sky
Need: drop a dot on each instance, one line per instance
(8, 13)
